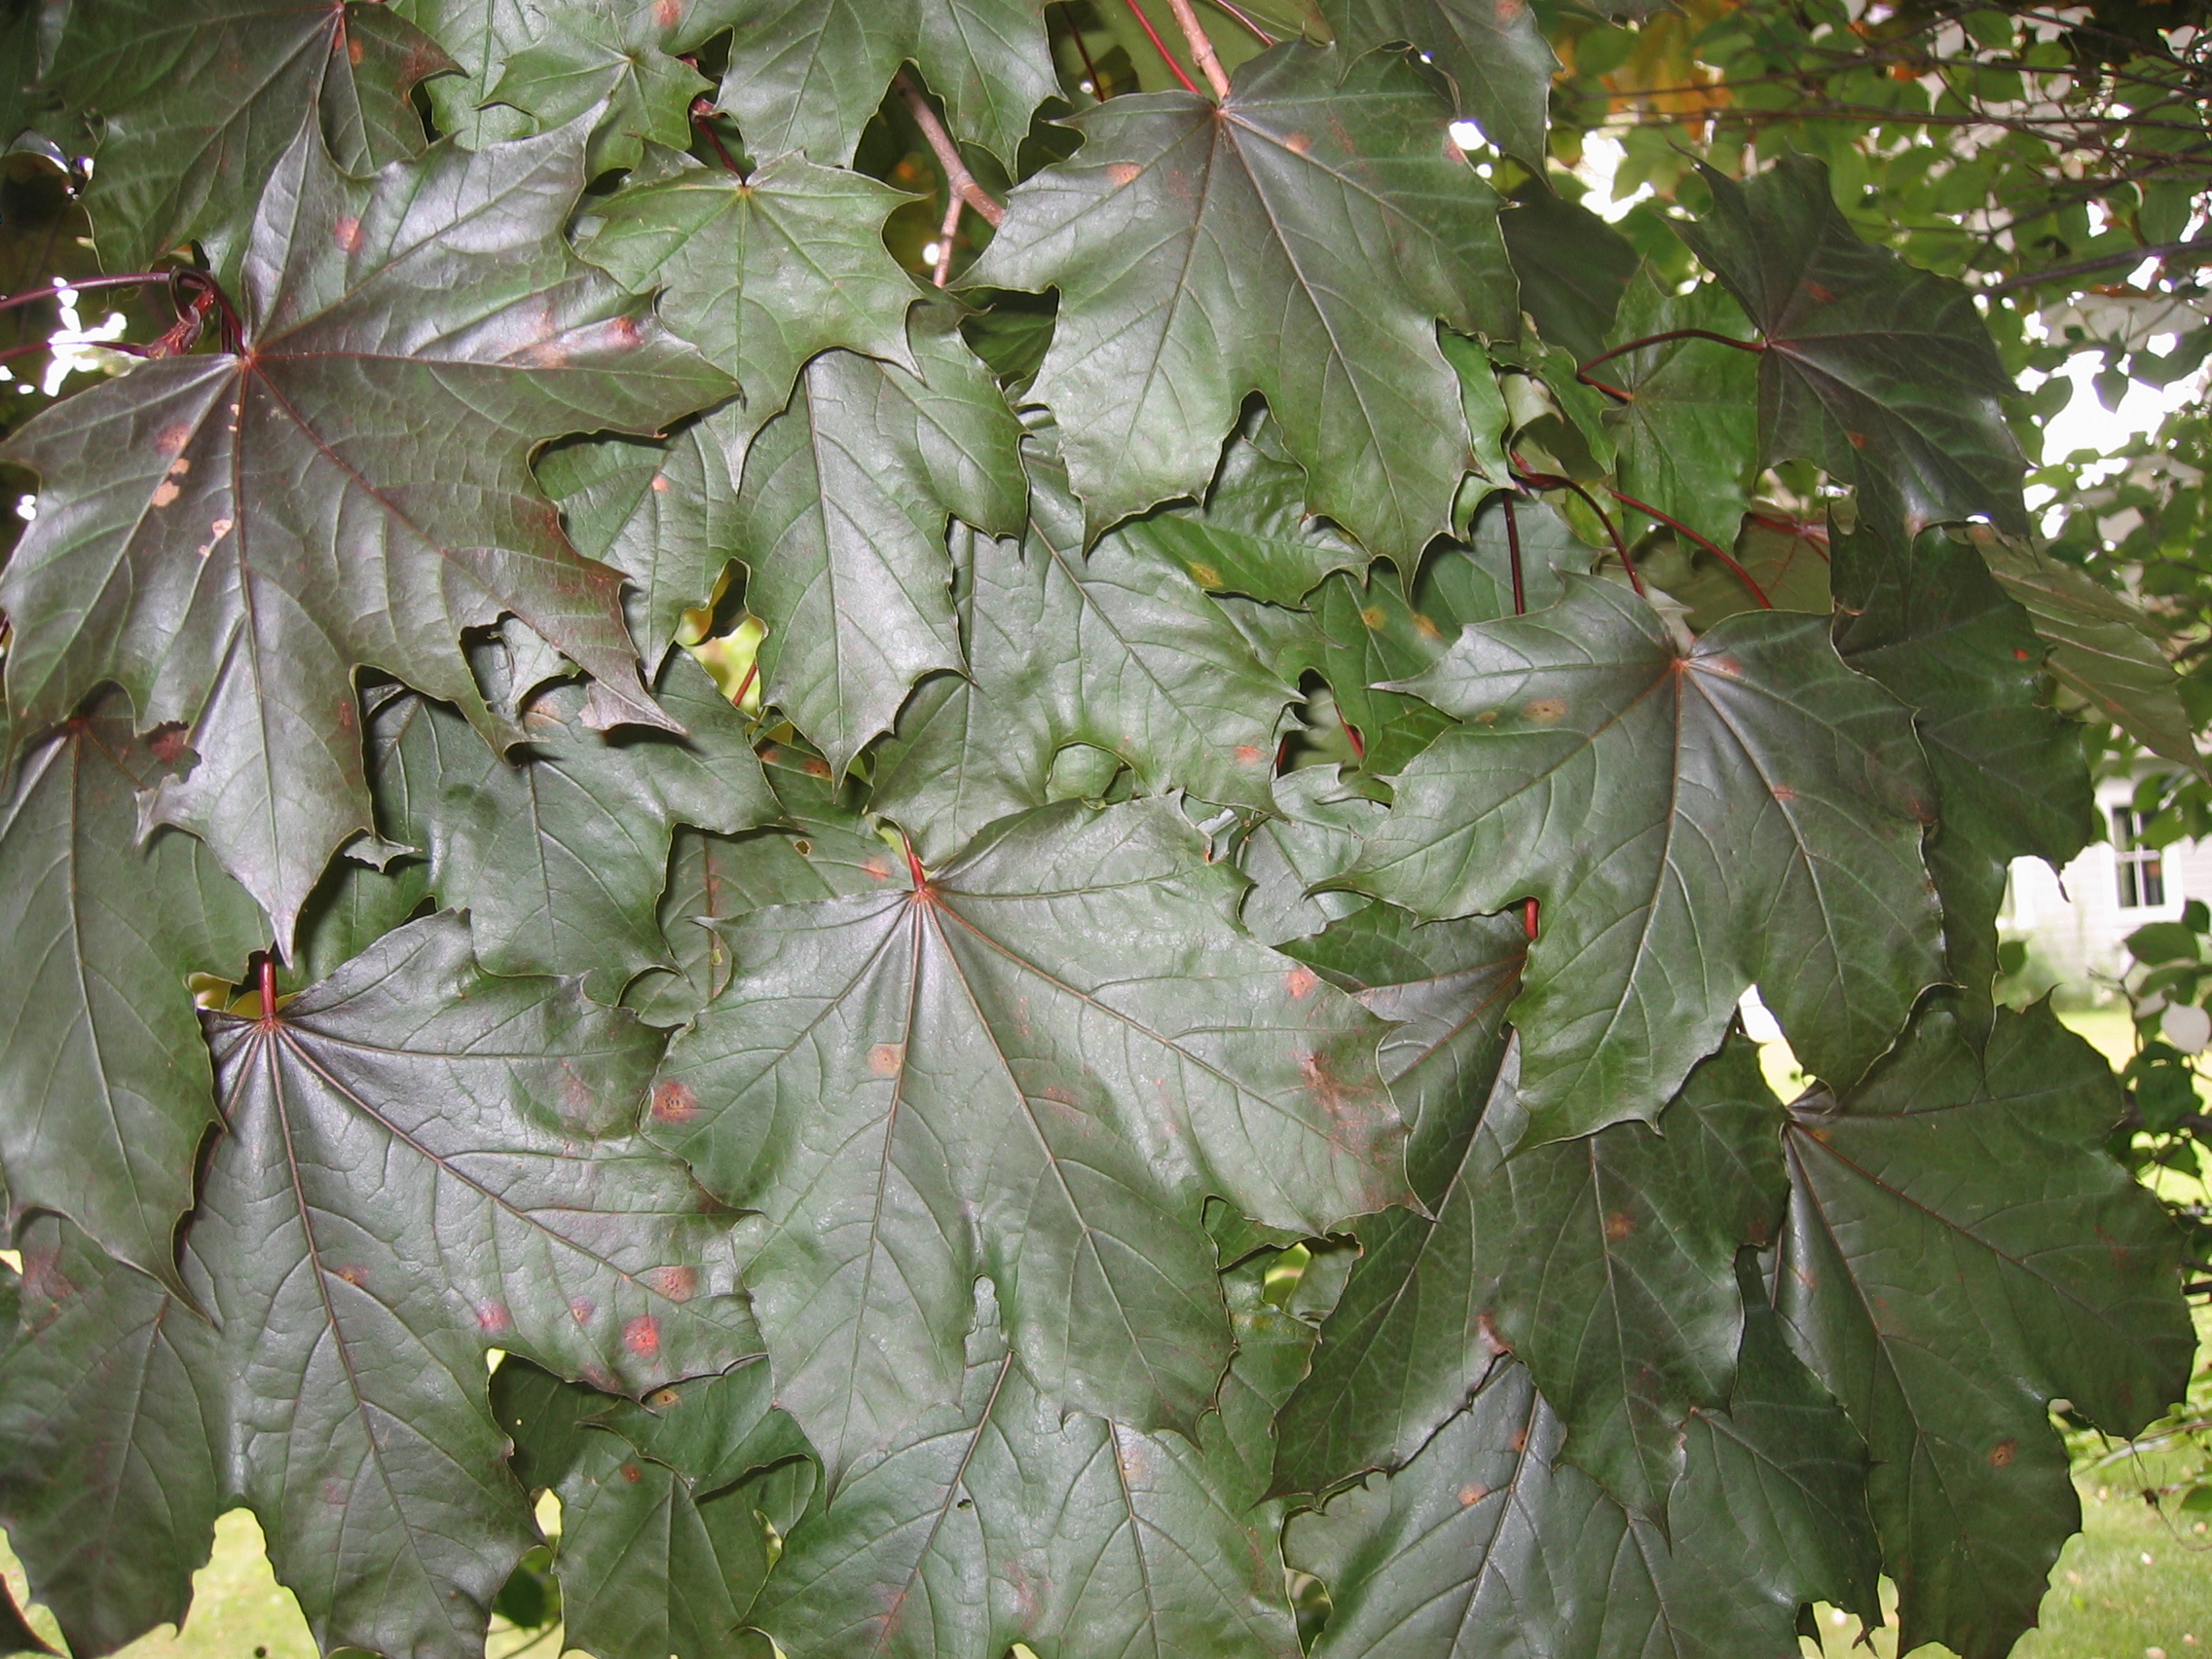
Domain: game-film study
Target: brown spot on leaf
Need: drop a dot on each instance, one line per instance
(1727, 665)
(1248, 755)
(1472, 1494)
(668, 13)
(582, 1308)
(1858, 439)
(632, 1473)
(1122, 172)
(352, 1273)
(666, 1400)
(167, 742)
(1298, 143)
(165, 493)
(1494, 1344)
(816, 766)
(879, 869)
(673, 1102)
(1545, 710)
(348, 235)
(642, 1336)
(2020, 655)
(1300, 983)
(1372, 617)
(660, 483)
(356, 51)
(1619, 1224)
(1426, 627)
(494, 1320)
(885, 1058)
(1827, 296)
(676, 1283)
(2003, 1453)
(1518, 1441)
(1782, 792)
(1206, 575)
(173, 437)
(180, 467)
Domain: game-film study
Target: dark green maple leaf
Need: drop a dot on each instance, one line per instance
(555, 59)
(612, 62)
(1928, 621)
(1749, 810)
(105, 1434)
(667, 1508)
(1605, 1262)
(1252, 534)
(1496, 56)
(1574, 268)
(1882, 373)
(1001, 1518)
(1687, 433)
(199, 102)
(658, 510)
(560, 853)
(232, 536)
(1033, 1067)
(2104, 653)
(105, 1093)
(1960, 1250)
(1488, 1543)
(1355, 230)
(765, 271)
(1314, 834)
(1366, 630)
(1118, 650)
(814, 71)
(421, 1162)
(842, 522)
(1787, 558)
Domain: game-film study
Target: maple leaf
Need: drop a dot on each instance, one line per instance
(814, 71)
(419, 1161)
(955, 1078)
(1928, 621)
(1882, 373)
(1496, 58)
(231, 536)
(1118, 650)
(1123, 1541)
(199, 103)
(1489, 1542)
(765, 271)
(1750, 810)
(1686, 434)
(1356, 227)
(560, 854)
(1960, 1250)
(841, 523)
(105, 1091)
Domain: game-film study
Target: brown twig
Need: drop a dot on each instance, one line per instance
(946, 233)
(1680, 528)
(1202, 46)
(958, 180)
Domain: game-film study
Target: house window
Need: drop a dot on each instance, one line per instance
(2142, 871)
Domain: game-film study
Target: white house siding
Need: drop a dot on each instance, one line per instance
(2074, 921)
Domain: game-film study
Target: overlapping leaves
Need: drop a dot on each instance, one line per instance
(1104, 1101)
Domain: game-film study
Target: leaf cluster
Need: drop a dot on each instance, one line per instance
(1036, 940)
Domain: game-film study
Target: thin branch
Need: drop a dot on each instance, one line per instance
(1250, 27)
(1552, 481)
(1675, 524)
(131, 279)
(1201, 48)
(1159, 46)
(957, 178)
(1671, 334)
(1082, 51)
(1513, 556)
(950, 228)
(2082, 267)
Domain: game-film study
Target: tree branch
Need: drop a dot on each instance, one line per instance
(959, 182)
(1202, 46)
(2105, 262)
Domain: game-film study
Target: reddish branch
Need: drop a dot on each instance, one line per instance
(1552, 481)
(959, 182)
(268, 977)
(1159, 46)
(701, 111)
(1583, 373)
(1513, 557)
(1679, 528)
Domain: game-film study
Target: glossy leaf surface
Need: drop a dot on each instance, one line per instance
(1354, 229)
(1748, 779)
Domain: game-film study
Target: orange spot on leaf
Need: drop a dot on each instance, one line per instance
(642, 1336)
(673, 1102)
